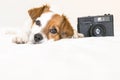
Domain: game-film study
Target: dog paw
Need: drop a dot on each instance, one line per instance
(80, 35)
(20, 39)
(77, 35)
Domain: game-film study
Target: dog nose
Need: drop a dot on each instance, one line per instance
(38, 37)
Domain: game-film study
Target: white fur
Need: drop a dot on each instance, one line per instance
(27, 34)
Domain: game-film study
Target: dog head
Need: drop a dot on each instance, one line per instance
(48, 25)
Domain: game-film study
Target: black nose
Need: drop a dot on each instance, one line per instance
(38, 37)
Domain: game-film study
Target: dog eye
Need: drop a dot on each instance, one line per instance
(53, 30)
(37, 22)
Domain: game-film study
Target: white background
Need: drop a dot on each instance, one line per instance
(14, 12)
(67, 59)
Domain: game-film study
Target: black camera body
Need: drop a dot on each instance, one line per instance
(95, 26)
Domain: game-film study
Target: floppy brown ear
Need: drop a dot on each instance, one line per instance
(36, 12)
(66, 29)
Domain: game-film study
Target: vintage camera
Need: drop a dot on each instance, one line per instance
(95, 26)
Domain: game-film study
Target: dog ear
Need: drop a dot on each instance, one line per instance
(66, 30)
(36, 12)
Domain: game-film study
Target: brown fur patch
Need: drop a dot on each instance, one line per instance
(62, 25)
(36, 12)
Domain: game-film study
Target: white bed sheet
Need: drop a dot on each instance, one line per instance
(94, 58)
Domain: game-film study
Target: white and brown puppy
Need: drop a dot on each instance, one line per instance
(46, 25)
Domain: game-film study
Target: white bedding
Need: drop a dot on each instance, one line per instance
(94, 58)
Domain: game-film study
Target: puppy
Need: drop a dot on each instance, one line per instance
(46, 25)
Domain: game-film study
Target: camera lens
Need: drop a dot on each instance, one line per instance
(97, 30)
